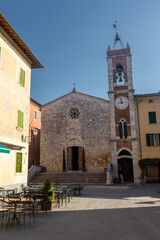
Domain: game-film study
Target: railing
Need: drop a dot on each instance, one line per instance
(32, 171)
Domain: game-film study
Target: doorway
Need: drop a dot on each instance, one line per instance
(125, 166)
(75, 158)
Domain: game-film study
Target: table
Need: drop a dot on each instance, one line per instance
(15, 215)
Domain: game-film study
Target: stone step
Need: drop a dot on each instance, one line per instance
(71, 177)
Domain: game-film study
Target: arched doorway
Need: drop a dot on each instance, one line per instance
(125, 165)
(75, 158)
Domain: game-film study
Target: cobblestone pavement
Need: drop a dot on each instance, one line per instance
(100, 213)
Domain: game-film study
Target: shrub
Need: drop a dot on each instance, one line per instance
(48, 190)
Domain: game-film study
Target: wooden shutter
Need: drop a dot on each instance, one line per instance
(152, 117)
(19, 163)
(22, 77)
(148, 139)
(20, 119)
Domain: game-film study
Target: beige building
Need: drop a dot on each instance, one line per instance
(148, 131)
(16, 62)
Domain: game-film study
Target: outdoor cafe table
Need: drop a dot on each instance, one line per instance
(15, 202)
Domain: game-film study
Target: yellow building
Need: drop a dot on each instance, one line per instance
(148, 131)
(16, 62)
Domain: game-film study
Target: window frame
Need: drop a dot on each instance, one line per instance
(123, 129)
(22, 77)
(152, 117)
(21, 162)
(153, 139)
(20, 123)
(34, 115)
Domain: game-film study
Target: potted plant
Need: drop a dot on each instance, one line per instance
(48, 194)
(115, 180)
(44, 169)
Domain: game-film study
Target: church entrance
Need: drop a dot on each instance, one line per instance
(75, 158)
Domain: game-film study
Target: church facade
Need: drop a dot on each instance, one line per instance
(84, 133)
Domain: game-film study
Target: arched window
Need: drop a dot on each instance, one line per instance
(120, 74)
(124, 152)
(123, 128)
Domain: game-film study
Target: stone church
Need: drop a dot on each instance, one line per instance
(85, 133)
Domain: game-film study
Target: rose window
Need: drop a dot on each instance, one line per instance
(74, 113)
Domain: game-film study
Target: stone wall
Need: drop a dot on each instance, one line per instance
(89, 131)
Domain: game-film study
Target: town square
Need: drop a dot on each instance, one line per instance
(79, 120)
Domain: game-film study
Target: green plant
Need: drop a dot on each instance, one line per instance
(48, 190)
(43, 167)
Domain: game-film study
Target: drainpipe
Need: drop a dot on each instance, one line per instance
(140, 145)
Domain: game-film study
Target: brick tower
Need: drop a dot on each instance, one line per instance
(122, 114)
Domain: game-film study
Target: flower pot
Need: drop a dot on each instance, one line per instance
(143, 182)
(47, 206)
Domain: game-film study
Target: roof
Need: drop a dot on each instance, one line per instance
(147, 95)
(4, 24)
(35, 102)
(77, 93)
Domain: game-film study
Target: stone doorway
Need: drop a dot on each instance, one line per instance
(75, 158)
(125, 166)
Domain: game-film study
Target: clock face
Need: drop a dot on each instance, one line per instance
(121, 102)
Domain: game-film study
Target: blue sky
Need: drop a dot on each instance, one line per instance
(70, 38)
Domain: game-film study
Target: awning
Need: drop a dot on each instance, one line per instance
(4, 149)
(11, 146)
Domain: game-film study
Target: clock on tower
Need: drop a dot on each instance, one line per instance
(122, 113)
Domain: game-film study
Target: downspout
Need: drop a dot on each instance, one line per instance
(140, 146)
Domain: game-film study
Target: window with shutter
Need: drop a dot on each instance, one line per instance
(20, 119)
(19, 163)
(22, 77)
(148, 139)
(152, 117)
(153, 139)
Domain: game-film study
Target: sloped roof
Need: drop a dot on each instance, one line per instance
(76, 93)
(35, 102)
(147, 95)
(4, 24)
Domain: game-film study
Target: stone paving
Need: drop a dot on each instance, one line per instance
(100, 213)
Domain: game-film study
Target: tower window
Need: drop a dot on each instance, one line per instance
(120, 75)
(123, 129)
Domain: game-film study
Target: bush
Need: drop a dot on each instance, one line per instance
(48, 190)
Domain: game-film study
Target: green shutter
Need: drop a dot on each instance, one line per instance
(148, 139)
(22, 77)
(20, 119)
(19, 163)
(152, 117)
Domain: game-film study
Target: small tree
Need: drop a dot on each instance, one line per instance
(48, 190)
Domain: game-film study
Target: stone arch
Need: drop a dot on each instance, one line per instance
(125, 164)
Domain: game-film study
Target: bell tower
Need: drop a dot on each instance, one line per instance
(122, 113)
